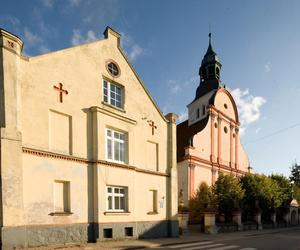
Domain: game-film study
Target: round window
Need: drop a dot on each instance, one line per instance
(113, 69)
(225, 106)
(225, 130)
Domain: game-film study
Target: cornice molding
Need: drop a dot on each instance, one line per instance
(113, 114)
(213, 110)
(195, 159)
(47, 154)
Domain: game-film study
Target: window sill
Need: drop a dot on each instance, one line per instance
(113, 107)
(117, 162)
(116, 213)
(60, 214)
(152, 213)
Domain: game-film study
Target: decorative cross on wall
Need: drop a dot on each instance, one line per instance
(151, 124)
(61, 91)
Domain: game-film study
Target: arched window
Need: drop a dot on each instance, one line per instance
(198, 113)
(203, 109)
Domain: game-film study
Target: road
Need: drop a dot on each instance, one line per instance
(281, 240)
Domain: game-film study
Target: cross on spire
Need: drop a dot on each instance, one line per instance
(151, 124)
(61, 91)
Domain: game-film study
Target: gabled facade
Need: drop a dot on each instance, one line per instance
(86, 153)
(208, 142)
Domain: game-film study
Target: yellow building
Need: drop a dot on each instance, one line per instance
(86, 154)
(208, 142)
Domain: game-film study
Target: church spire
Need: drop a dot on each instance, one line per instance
(209, 71)
(210, 66)
(209, 49)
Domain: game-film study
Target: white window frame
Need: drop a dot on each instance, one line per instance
(107, 98)
(113, 141)
(113, 194)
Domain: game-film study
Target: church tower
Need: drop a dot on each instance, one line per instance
(208, 142)
(210, 66)
(209, 73)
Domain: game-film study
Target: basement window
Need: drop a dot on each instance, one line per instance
(107, 233)
(128, 231)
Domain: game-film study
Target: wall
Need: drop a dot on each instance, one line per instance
(183, 180)
(47, 157)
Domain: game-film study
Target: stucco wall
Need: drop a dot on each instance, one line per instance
(202, 143)
(198, 104)
(183, 180)
(217, 147)
(202, 174)
(83, 80)
(53, 141)
(39, 177)
(224, 104)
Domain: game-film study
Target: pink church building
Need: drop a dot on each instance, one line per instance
(208, 142)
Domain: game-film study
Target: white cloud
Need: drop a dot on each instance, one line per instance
(75, 3)
(43, 49)
(31, 39)
(190, 81)
(91, 36)
(182, 116)
(174, 86)
(48, 3)
(267, 67)
(177, 86)
(34, 41)
(94, 12)
(135, 51)
(126, 40)
(78, 38)
(257, 130)
(13, 20)
(10, 23)
(248, 107)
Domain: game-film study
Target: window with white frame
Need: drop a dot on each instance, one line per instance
(115, 146)
(117, 198)
(112, 94)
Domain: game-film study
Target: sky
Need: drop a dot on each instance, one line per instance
(258, 43)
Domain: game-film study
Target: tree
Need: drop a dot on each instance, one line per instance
(285, 188)
(229, 192)
(199, 203)
(261, 189)
(295, 174)
(296, 193)
(295, 179)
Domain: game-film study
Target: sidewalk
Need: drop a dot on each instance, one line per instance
(192, 236)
